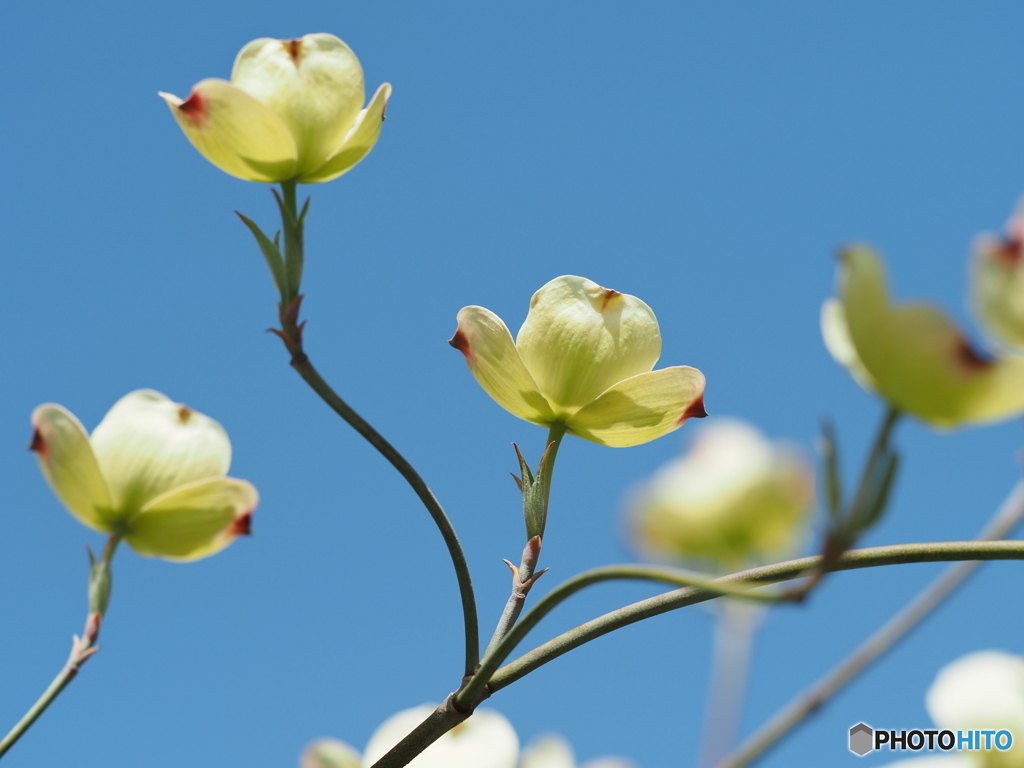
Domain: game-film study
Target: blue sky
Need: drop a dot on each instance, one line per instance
(707, 159)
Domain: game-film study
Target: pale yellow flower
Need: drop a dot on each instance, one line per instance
(293, 110)
(553, 751)
(912, 354)
(997, 283)
(583, 359)
(982, 691)
(153, 471)
(733, 498)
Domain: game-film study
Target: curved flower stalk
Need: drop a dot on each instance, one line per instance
(293, 110)
(583, 359)
(733, 498)
(997, 283)
(152, 472)
(912, 355)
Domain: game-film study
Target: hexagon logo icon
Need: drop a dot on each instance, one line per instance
(861, 739)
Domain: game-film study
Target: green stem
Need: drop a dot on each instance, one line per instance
(547, 471)
(82, 648)
(523, 577)
(294, 256)
(494, 658)
(868, 494)
(291, 335)
(888, 635)
(871, 557)
(437, 724)
(478, 687)
(359, 424)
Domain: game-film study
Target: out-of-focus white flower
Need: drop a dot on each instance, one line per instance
(941, 761)
(732, 498)
(553, 751)
(983, 691)
(329, 753)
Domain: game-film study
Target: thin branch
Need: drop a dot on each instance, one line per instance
(359, 424)
(947, 551)
(1007, 517)
(713, 587)
(82, 648)
(457, 707)
(535, 511)
(292, 221)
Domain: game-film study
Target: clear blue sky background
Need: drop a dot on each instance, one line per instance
(707, 159)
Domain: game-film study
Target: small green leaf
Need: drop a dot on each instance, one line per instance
(271, 254)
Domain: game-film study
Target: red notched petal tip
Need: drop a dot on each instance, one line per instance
(38, 444)
(193, 107)
(972, 359)
(1010, 251)
(242, 525)
(293, 47)
(460, 342)
(694, 410)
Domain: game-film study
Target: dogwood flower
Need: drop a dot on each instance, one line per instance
(153, 472)
(292, 111)
(583, 359)
(913, 355)
(733, 498)
(982, 691)
(997, 283)
(553, 751)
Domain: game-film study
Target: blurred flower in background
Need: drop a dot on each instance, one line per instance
(981, 691)
(913, 355)
(553, 751)
(997, 283)
(153, 472)
(485, 740)
(583, 358)
(732, 499)
(292, 111)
